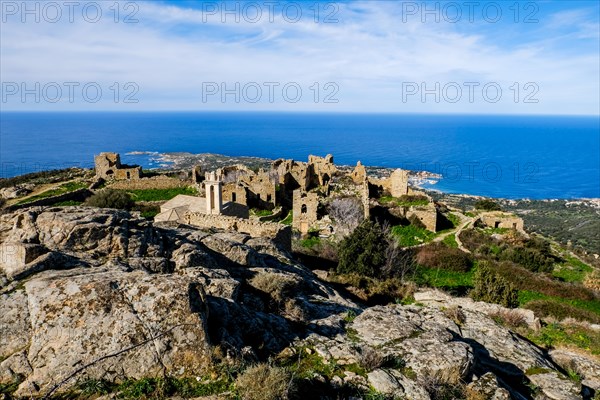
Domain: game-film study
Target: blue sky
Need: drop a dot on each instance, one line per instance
(357, 56)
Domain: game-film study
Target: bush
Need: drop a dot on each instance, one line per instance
(110, 198)
(473, 239)
(264, 382)
(487, 205)
(492, 288)
(510, 318)
(363, 251)
(278, 286)
(524, 279)
(455, 314)
(441, 257)
(560, 311)
(535, 255)
(371, 359)
(347, 212)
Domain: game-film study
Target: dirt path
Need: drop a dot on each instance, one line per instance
(464, 223)
(38, 189)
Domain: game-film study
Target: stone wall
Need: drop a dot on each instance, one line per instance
(359, 174)
(426, 214)
(155, 182)
(279, 233)
(76, 195)
(108, 166)
(235, 193)
(292, 174)
(399, 183)
(322, 168)
(502, 220)
(128, 173)
(304, 210)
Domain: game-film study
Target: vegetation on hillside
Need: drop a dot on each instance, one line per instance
(109, 198)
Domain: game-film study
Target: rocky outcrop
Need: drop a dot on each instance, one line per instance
(104, 294)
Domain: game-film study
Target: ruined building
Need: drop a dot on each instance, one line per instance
(399, 183)
(298, 175)
(499, 219)
(304, 210)
(246, 187)
(108, 166)
(212, 204)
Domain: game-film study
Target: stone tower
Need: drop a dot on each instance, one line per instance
(214, 193)
(399, 183)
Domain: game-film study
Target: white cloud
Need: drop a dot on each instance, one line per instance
(369, 54)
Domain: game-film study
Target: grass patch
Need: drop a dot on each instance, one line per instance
(62, 189)
(310, 242)
(9, 388)
(453, 218)
(561, 310)
(452, 281)
(68, 203)
(155, 387)
(572, 270)
(160, 194)
(450, 241)
(404, 201)
(554, 335)
(411, 235)
(261, 213)
(307, 363)
(43, 177)
(288, 219)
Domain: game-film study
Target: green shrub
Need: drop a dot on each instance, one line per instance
(363, 251)
(579, 335)
(535, 255)
(560, 311)
(439, 256)
(492, 288)
(487, 205)
(264, 382)
(524, 279)
(109, 198)
(473, 239)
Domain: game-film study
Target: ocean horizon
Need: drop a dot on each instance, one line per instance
(505, 156)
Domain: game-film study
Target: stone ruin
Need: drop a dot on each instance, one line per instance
(108, 166)
(305, 209)
(499, 219)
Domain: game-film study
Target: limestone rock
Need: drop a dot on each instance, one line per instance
(15, 327)
(588, 367)
(140, 324)
(487, 387)
(556, 387)
(422, 337)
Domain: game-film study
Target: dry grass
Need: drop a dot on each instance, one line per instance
(509, 318)
(278, 286)
(455, 314)
(440, 388)
(371, 359)
(264, 382)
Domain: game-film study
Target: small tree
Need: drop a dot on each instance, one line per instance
(493, 288)
(487, 205)
(398, 262)
(363, 251)
(347, 212)
(110, 198)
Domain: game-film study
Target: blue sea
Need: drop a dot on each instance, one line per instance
(535, 157)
